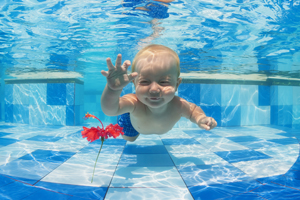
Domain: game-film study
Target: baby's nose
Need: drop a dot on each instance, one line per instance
(154, 88)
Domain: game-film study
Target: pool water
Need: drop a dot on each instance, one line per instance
(240, 61)
(55, 162)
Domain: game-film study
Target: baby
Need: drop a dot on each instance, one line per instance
(154, 108)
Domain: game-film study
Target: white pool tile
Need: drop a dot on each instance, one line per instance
(147, 177)
(285, 153)
(264, 167)
(174, 193)
(81, 174)
(175, 134)
(201, 158)
(220, 144)
(185, 149)
(89, 159)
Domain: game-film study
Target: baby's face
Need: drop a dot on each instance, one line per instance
(157, 80)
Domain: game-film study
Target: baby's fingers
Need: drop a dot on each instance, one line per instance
(132, 76)
(104, 73)
(109, 64)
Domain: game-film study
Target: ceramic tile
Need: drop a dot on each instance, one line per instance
(201, 158)
(220, 191)
(48, 156)
(185, 149)
(220, 144)
(175, 134)
(81, 174)
(274, 191)
(241, 155)
(28, 169)
(174, 193)
(146, 160)
(179, 141)
(44, 138)
(84, 192)
(47, 195)
(90, 158)
(211, 174)
(264, 168)
(139, 149)
(16, 190)
(147, 177)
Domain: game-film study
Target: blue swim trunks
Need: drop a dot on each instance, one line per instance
(124, 121)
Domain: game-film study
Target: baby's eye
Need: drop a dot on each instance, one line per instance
(164, 82)
(144, 82)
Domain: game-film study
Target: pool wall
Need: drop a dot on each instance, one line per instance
(53, 103)
(229, 104)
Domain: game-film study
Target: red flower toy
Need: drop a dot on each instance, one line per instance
(93, 134)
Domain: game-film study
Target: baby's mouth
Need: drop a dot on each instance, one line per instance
(154, 98)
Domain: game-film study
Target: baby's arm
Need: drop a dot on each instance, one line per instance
(117, 79)
(196, 115)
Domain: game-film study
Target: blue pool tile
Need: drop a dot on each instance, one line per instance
(241, 155)
(48, 156)
(44, 138)
(247, 138)
(9, 113)
(211, 174)
(201, 133)
(245, 196)
(4, 180)
(230, 95)
(70, 115)
(111, 141)
(6, 126)
(2, 134)
(188, 91)
(213, 111)
(145, 160)
(88, 192)
(47, 195)
(56, 94)
(140, 149)
(16, 190)
(223, 190)
(281, 180)
(28, 169)
(274, 191)
(259, 144)
(293, 174)
(7, 141)
(182, 141)
(263, 95)
(106, 149)
(232, 114)
(23, 180)
(285, 141)
(281, 115)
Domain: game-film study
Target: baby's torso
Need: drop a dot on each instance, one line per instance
(146, 122)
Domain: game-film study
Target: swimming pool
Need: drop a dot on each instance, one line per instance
(239, 62)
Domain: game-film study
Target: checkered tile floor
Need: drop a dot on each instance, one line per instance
(255, 162)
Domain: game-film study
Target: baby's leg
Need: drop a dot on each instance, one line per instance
(130, 138)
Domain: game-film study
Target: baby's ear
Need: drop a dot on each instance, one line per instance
(178, 82)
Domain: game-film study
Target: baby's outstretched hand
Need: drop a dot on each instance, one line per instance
(117, 77)
(207, 123)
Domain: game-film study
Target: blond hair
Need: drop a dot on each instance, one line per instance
(155, 49)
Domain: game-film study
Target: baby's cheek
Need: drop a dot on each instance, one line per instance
(169, 90)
